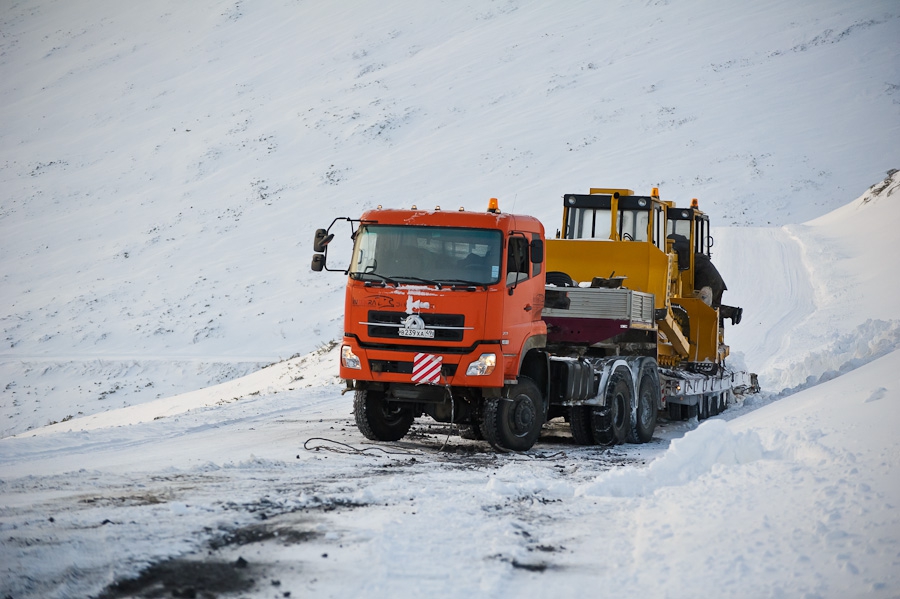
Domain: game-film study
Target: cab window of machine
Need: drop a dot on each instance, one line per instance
(680, 227)
(588, 223)
(633, 225)
(659, 228)
(517, 260)
(702, 236)
(536, 266)
(364, 251)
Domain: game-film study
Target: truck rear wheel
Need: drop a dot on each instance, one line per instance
(612, 423)
(379, 420)
(514, 422)
(580, 418)
(647, 402)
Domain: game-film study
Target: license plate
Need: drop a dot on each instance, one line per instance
(421, 333)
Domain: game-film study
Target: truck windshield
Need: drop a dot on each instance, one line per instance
(416, 254)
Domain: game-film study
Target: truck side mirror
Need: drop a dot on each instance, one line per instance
(537, 251)
(323, 238)
(318, 262)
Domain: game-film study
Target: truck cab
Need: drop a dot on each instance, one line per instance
(442, 317)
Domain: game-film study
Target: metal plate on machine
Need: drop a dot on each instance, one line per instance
(418, 333)
(613, 304)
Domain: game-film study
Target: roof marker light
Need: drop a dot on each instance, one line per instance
(695, 203)
(655, 192)
(494, 205)
(414, 207)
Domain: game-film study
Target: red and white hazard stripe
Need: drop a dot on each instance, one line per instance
(427, 369)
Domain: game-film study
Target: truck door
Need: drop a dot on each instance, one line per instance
(523, 301)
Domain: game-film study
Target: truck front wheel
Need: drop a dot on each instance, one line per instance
(514, 421)
(379, 420)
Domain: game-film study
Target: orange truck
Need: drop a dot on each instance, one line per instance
(475, 319)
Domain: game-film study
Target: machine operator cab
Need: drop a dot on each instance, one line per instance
(611, 237)
(689, 231)
(638, 218)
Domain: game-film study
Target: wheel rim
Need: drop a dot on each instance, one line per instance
(521, 417)
(645, 413)
(391, 416)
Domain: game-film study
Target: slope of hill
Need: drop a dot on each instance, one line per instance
(163, 166)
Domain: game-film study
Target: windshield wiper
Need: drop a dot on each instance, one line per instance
(420, 280)
(384, 279)
(454, 283)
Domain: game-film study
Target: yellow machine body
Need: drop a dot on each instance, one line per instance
(614, 237)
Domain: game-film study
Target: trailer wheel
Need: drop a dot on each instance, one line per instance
(611, 425)
(676, 411)
(580, 421)
(379, 420)
(647, 402)
(514, 421)
(690, 412)
(703, 408)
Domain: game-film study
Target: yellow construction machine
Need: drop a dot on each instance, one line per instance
(616, 253)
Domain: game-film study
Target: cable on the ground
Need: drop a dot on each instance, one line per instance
(339, 447)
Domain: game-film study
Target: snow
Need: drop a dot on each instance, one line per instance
(170, 410)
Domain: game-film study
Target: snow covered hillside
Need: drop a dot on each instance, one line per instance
(262, 486)
(164, 165)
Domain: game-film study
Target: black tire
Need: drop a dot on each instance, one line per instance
(714, 404)
(602, 426)
(647, 402)
(560, 279)
(691, 412)
(676, 412)
(613, 423)
(703, 408)
(514, 421)
(580, 423)
(379, 420)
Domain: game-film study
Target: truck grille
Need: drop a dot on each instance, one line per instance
(386, 325)
(398, 367)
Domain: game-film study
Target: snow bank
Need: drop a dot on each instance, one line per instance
(818, 298)
(315, 369)
(869, 341)
(710, 445)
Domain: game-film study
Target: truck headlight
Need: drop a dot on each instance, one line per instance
(349, 359)
(483, 366)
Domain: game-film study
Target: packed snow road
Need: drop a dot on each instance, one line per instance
(276, 494)
(285, 486)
